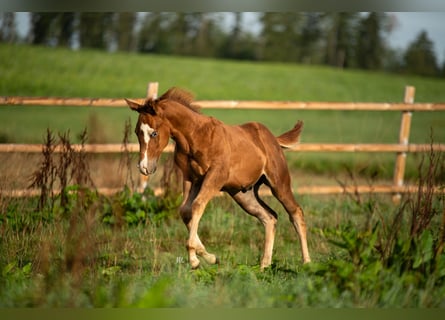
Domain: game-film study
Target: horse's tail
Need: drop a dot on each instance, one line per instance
(291, 138)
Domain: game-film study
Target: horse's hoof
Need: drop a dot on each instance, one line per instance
(210, 258)
(194, 263)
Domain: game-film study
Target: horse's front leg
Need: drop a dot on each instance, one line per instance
(191, 213)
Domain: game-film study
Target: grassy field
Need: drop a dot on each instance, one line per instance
(81, 249)
(60, 72)
(128, 251)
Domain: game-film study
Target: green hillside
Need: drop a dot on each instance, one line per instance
(45, 71)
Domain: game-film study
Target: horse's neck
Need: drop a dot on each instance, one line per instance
(183, 123)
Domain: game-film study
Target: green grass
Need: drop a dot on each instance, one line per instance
(61, 72)
(81, 259)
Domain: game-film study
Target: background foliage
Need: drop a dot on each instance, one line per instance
(341, 39)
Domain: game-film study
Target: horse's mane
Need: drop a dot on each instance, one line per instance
(183, 97)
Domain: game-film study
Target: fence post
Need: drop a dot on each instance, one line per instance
(405, 127)
(152, 92)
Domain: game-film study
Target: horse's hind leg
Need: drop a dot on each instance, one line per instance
(250, 202)
(296, 217)
(284, 194)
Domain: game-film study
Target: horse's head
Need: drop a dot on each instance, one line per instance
(152, 131)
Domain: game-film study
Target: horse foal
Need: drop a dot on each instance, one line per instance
(214, 157)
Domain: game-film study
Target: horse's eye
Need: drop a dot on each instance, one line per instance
(154, 134)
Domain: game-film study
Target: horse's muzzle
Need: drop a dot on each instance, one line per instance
(147, 168)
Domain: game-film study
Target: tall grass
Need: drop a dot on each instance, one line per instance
(128, 250)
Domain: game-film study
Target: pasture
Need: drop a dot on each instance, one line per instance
(82, 249)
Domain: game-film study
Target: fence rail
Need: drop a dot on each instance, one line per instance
(401, 149)
(312, 190)
(232, 104)
(303, 147)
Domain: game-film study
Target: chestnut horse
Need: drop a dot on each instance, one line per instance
(216, 157)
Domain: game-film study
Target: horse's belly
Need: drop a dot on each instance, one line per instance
(239, 185)
(244, 177)
(246, 166)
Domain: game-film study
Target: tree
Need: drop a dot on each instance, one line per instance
(442, 70)
(420, 58)
(180, 33)
(66, 28)
(369, 50)
(153, 36)
(8, 31)
(230, 46)
(195, 34)
(125, 33)
(96, 30)
(209, 36)
(42, 27)
(279, 36)
(393, 61)
(238, 44)
(340, 38)
(52, 28)
(309, 39)
(166, 33)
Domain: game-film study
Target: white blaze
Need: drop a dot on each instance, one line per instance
(146, 130)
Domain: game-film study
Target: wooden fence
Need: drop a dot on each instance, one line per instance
(401, 148)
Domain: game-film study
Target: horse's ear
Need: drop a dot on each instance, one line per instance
(135, 105)
(147, 106)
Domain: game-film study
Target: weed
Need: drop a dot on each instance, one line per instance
(44, 178)
(125, 162)
(424, 206)
(171, 180)
(60, 170)
(378, 257)
(135, 208)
